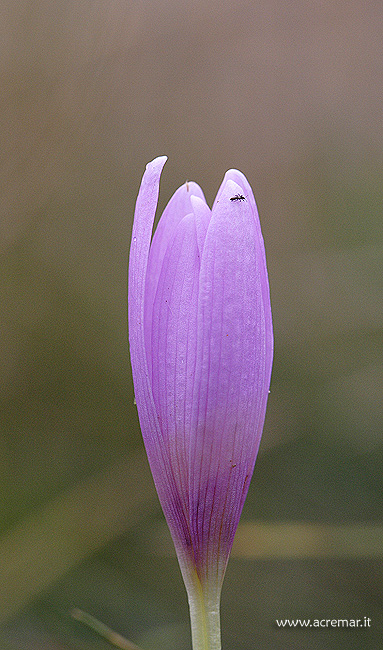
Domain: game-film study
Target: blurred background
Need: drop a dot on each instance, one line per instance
(290, 94)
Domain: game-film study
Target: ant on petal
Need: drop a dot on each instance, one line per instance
(238, 197)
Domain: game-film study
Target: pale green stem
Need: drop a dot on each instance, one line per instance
(204, 617)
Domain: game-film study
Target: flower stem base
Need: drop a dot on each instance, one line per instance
(204, 618)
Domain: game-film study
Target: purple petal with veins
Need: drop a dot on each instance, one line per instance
(201, 347)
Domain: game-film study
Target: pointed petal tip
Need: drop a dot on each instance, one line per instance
(194, 189)
(231, 187)
(196, 201)
(234, 174)
(160, 160)
(157, 163)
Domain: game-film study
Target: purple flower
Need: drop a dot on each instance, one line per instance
(201, 347)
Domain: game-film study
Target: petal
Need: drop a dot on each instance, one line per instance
(174, 343)
(202, 215)
(151, 431)
(201, 348)
(177, 208)
(142, 229)
(145, 211)
(231, 378)
(246, 191)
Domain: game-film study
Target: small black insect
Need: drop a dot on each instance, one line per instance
(238, 197)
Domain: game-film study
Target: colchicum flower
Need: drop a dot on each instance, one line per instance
(201, 347)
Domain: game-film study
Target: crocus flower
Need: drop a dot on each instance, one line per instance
(201, 348)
